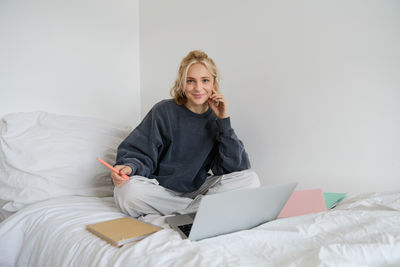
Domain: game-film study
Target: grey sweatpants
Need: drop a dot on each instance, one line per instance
(142, 195)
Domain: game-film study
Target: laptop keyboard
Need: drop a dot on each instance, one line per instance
(185, 228)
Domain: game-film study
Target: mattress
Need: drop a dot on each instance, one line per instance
(363, 230)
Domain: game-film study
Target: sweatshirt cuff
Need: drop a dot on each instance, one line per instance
(133, 167)
(224, 125)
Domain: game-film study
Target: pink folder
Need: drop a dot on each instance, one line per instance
(304, 202)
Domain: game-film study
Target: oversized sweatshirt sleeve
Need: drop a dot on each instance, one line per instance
(140, 149)
(231, 155)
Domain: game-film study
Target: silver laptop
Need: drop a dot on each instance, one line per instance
(232, 211)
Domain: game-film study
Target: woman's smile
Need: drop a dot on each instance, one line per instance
(198, 88)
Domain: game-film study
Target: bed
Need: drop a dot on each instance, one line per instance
(51, 187)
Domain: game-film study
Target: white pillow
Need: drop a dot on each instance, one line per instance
(45, 155)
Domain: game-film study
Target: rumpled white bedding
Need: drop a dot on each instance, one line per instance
(363, 230)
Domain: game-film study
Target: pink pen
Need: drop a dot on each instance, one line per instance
(126, 177)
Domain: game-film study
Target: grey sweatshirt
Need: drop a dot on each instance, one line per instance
(178, 147)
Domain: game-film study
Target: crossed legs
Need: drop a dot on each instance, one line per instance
(142, 196)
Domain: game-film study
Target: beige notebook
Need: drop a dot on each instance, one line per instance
(120, 231)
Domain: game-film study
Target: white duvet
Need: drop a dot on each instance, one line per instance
(363, 230)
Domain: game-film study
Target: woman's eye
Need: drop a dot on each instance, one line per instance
(206, 80)
(189, 81)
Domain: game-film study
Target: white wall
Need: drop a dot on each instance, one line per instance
(78, 57)
(313, 86)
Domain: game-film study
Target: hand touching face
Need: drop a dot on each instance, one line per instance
(200, 92)
(218, 104)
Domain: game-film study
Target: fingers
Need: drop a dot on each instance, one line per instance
(217, 103)
(117, 179)
(217, 98)
(123, 169)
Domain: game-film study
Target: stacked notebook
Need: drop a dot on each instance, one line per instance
(120, 231)
(310, 201)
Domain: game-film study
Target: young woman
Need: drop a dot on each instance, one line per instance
(170, 154)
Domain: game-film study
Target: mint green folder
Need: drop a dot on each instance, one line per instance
(332, 199)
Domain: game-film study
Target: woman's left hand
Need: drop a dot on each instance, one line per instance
(218, 105)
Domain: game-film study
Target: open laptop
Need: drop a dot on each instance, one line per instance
(232, 211)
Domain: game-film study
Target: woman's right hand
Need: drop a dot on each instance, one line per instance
(117, 179)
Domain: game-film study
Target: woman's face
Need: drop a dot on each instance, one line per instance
(199, 86)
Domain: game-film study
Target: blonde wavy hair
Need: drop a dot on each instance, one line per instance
(196, 56)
